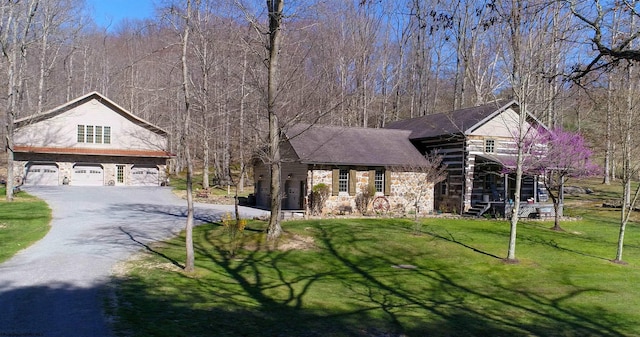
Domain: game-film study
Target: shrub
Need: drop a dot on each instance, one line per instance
(319, 195)
(364, 198)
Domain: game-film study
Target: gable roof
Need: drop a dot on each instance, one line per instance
(333, 145)
(462, 121)
(84, 99)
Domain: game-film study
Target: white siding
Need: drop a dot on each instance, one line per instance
(61, 130)
(502, 125)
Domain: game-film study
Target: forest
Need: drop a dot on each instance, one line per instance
(343, 62)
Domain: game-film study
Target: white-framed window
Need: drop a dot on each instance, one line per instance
(106, 138)
(490, 145)
(89, 134)
(343, 180)
(98, 134)
(80, 133)
(378, 181)
(94, 134)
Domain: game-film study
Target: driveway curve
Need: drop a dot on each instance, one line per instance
(57, 287)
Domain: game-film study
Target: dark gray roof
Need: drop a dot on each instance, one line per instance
(447, 123)
(322, 144)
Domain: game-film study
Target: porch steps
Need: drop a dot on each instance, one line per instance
(478, 209)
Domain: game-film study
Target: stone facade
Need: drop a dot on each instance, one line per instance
(406, 189)
(65, 168)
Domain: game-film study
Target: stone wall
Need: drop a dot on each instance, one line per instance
(66, 163)
(407, 188)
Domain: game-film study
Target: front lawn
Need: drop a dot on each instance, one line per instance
(366, 277)
(22, 222)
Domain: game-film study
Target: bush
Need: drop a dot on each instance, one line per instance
(364, 198)
(319, 195)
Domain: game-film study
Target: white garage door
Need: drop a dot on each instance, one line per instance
(144, 176)
(41, 174)
(87, 175)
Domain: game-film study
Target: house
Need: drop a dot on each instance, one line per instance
(351, 161)
(476, 143)
(89, 141)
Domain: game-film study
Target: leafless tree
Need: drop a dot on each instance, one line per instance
(17, 22)
(599, 18)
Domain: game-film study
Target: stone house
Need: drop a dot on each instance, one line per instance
(351, 162)
(476, 144)
(89, 141)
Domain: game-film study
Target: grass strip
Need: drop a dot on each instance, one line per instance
(23, 221)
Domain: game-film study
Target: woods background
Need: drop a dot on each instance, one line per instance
(342, 62)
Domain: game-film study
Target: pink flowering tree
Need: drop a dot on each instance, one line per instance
(558, 155)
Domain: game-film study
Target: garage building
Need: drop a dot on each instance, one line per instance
(90, 141)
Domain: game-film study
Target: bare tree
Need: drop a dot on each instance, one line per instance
(524, 27)
(14, 42)
(599, 18)
(185, 139)
(275, 12)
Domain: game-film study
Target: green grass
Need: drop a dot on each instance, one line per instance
(346, 285)
(179, 183)
(22, 222)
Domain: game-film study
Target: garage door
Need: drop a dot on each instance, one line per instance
(41, 174)
(144, 176)
(87, 175)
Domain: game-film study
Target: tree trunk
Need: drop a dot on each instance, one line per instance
(16, 60)
(190, 259)
(274, 8)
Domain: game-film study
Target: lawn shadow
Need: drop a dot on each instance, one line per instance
(151, 250)
(56, 309)
(256, 294)
(452, 239)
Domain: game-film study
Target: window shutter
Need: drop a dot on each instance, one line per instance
(335, 176)
(352, 182)
(372, 180)
(387, 182)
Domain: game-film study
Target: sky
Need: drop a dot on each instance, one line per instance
(109, 13)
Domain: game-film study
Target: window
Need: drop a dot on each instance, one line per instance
(94, 134)
(379, 181)
(343, 181)
(89, 133)
(80, 133)
(98, 134)
(107, 135)
(489, 145)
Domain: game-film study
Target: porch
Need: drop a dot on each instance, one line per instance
(493, 191)
(501, 209)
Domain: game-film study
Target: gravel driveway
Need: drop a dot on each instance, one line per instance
(57, 286)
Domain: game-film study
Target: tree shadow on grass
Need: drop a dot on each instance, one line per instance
(450, 238)
(150, 249)
(353, 292)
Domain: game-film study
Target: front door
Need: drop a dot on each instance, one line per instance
(120, 174)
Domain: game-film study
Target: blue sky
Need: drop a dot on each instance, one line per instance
(111, 12)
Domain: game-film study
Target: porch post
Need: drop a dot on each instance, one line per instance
(506, 187)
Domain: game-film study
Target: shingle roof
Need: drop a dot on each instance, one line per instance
(321, 144)
(447, 123)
